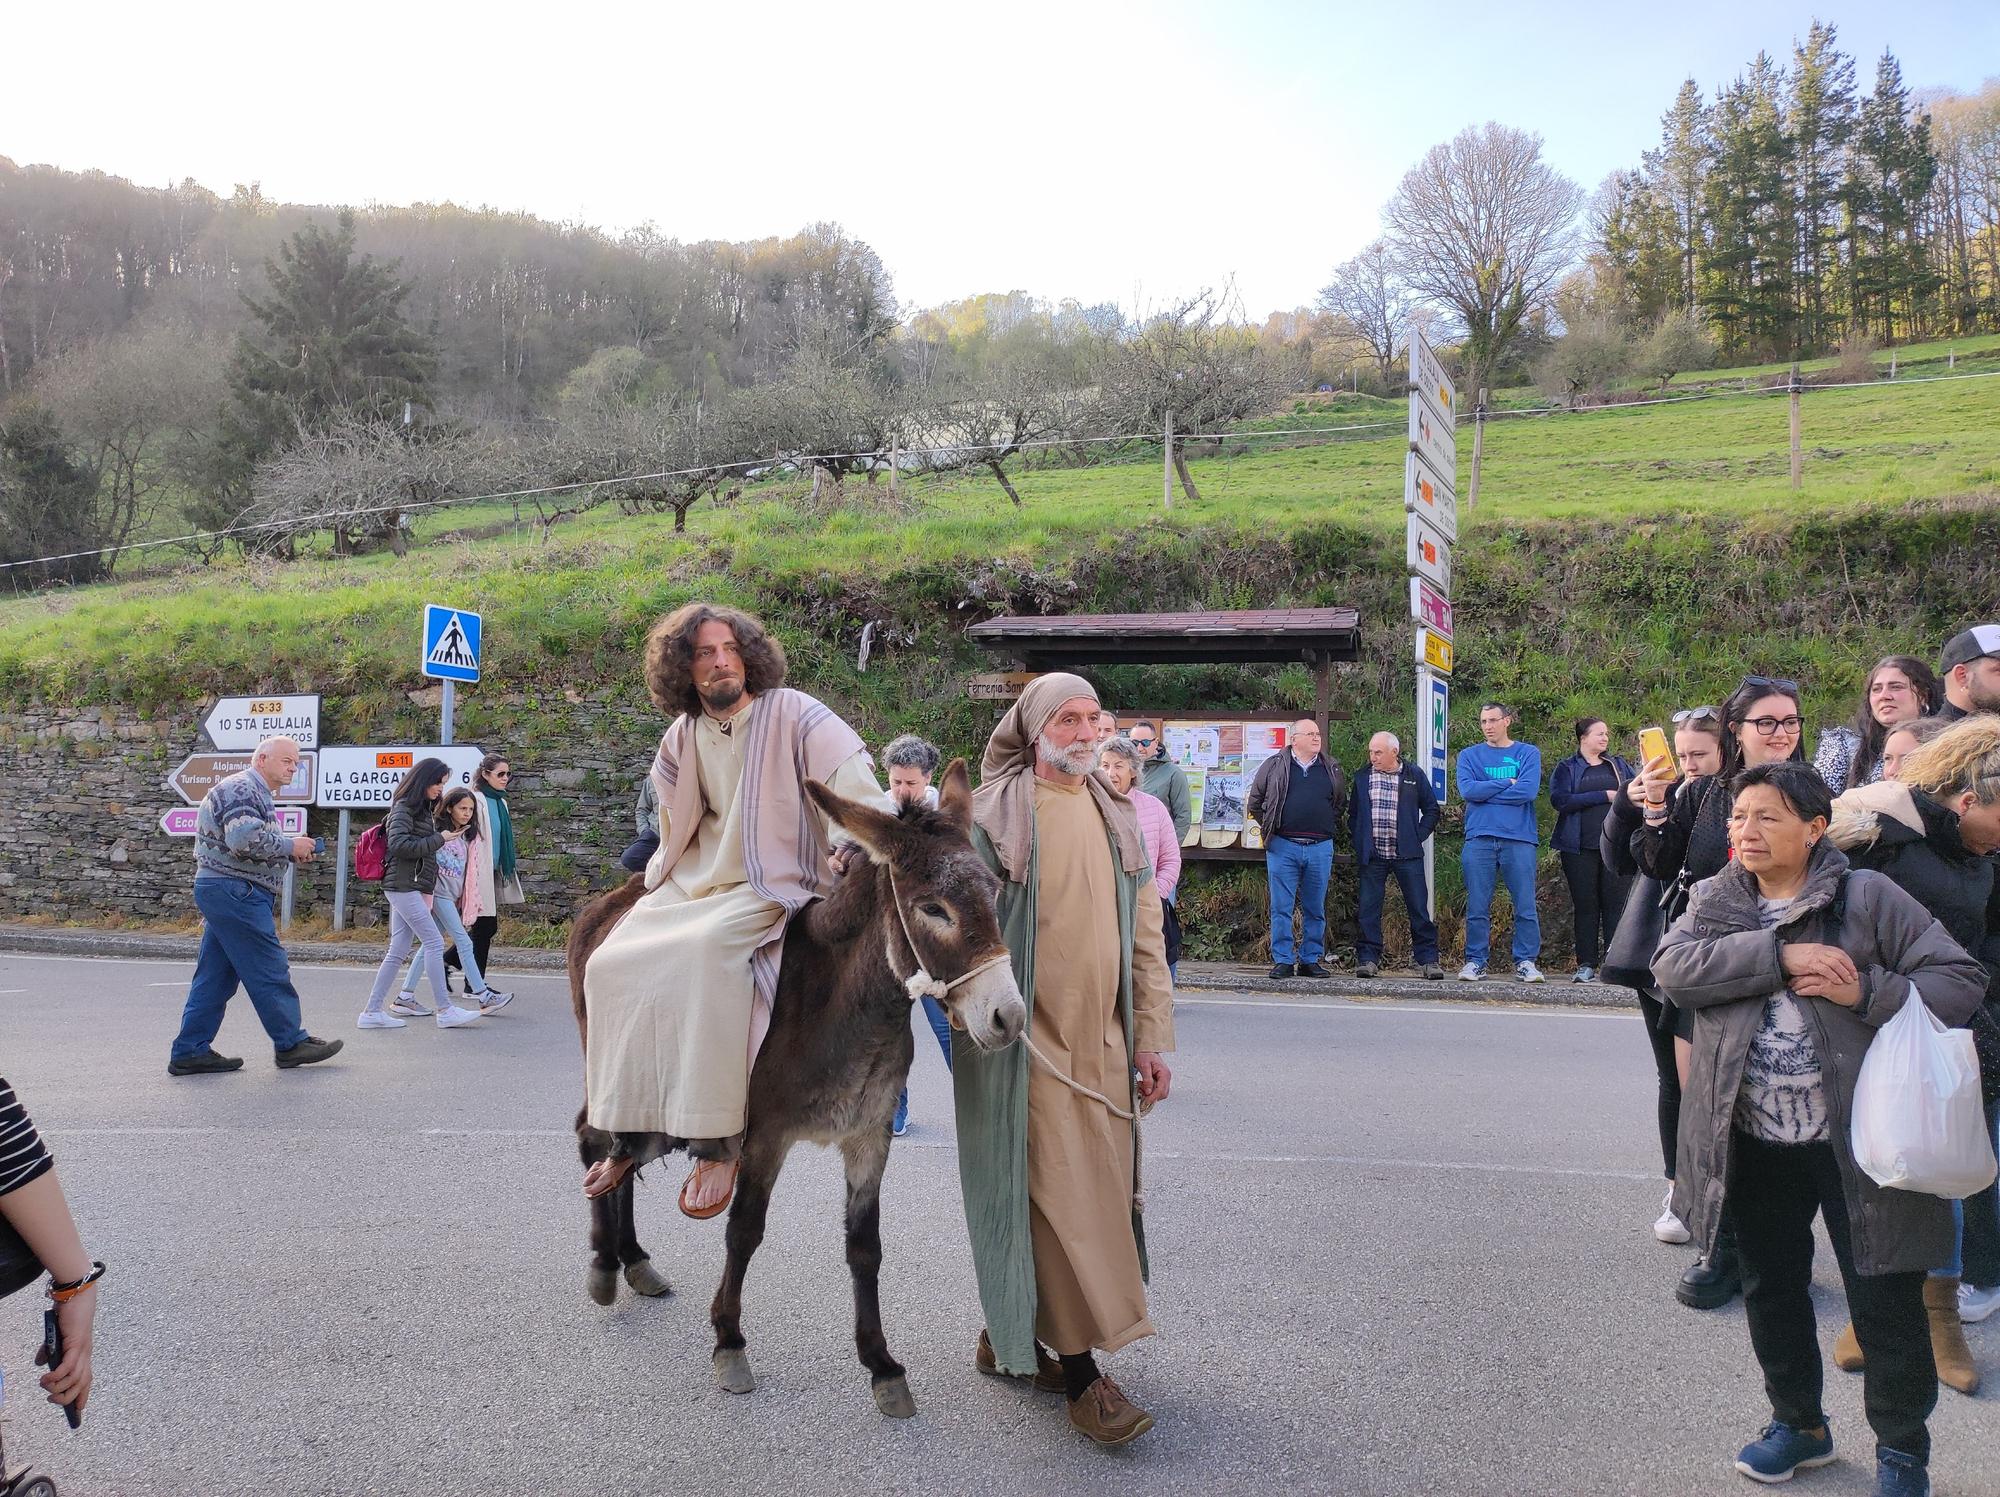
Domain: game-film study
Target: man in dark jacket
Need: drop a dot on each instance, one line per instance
(1391, 814)
(1297, 798)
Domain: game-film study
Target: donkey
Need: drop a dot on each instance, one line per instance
(917, 917)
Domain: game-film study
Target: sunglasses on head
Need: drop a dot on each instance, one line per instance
(1697, 714)
(1773, 683)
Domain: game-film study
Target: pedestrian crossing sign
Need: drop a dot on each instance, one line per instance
(451, 643)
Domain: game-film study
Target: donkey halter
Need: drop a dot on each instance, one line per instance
(920, 983)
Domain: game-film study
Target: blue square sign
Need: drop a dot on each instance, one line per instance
(451, 643)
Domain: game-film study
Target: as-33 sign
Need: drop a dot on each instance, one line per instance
(245, 722)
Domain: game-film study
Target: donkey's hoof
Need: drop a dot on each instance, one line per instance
(892, 1397)
(732, 1371)
(601, 1284)
(646, 1279)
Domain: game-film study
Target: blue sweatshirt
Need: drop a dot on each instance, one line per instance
(1493, 807)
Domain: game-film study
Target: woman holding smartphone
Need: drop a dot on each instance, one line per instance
(409, 878)
(1583, 790)
(1682, 839)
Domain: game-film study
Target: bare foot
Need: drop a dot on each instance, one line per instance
(606, 1176)
(708, 1186)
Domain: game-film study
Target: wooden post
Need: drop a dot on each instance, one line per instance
(1892, 363)
(1478, 451)
(1322, 669)
(1167, 465)
(1951, 357)
(1799, 459)
(895, 465)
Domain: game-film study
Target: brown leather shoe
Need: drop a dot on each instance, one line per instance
(1955, 1367)
(1108, 1416)
(1847, 1350)
(1048, 1371)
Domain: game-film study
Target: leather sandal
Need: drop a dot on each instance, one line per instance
(607, 1175)
(701, 1166)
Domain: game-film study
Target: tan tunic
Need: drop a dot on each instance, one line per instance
(1087, 1280)
(669, 992)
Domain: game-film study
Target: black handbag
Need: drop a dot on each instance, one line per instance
(19, 1267)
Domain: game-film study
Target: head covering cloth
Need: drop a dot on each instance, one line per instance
(1004, 804)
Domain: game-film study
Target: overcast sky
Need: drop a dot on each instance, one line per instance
(1110, 152)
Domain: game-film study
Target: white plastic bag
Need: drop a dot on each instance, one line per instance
(1919, 1122)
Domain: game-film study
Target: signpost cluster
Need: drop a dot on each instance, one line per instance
(1430, 504)
(339, 778)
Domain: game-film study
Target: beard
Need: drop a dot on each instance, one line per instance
(721, 692)
(1077, 758)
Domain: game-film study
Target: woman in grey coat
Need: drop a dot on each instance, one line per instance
(1790, 963)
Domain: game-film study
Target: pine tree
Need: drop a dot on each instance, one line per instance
(1678, 171)
(1819, 121)
(1893, 165)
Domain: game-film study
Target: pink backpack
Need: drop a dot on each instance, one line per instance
(371, 854)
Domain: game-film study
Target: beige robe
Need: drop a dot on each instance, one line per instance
(1088, 1285)
(670, 992)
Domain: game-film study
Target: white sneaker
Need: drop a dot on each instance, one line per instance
(1528, 972)
(407, 1005)
(493, 1000)
(1670, 1228)
(375, 1018)
(451, 1016)
(1471, 972)
(1975, 1304)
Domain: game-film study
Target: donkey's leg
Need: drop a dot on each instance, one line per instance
(639, 1271)
(865, 1154)
(600, 1280)
(755, 1177)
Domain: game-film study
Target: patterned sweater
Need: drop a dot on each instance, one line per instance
(236, 834)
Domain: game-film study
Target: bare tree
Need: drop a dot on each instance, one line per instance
(1195, 362)
(1371, 302)
(1484, 228)
(357, 476)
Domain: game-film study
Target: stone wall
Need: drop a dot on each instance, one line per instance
(81, 793)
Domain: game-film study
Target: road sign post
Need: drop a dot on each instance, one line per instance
(1430, 478)
(340, 875)
(452, 639)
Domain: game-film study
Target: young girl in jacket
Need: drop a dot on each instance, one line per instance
(409, 877)
(455, 905)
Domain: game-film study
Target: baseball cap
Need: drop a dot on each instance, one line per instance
(1975, 643)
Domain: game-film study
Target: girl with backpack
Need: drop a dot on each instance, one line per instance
(454, 903)
(409, 876)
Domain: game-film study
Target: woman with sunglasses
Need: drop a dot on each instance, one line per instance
(1900, 689)
(1684, 838)
(494, 870)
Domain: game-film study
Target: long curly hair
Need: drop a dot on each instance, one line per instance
(1965, 756)
(670, 655)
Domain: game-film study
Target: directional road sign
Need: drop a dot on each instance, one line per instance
(1433, 728)
(1426, 494)
(199, 773)
(179, 821)
(1431, 437)
(1428, 379)
(1427, 554)
(1430, 607)
(1433, 650)
(366, 777)
(451, 643)
(245, 722)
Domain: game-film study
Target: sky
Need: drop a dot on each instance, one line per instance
(1108, 152)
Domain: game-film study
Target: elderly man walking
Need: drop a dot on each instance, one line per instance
(1047, 1131)
(240, 858)
(1393, 811)
(1297, 798)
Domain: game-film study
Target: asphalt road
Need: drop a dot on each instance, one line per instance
(1396, 1249)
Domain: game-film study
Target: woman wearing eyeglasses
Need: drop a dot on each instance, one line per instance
(494, 867)
(1684, 838)
(1900, 689)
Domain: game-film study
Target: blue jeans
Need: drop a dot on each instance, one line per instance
(452, 927)
(1488, 861)
(1975, 1250)
(941, 1027)
(1299, 873)
(1416, 899)
(239, 944)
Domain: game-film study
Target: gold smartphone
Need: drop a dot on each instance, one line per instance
(1653, 744)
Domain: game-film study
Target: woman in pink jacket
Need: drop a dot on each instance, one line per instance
(1122, 764)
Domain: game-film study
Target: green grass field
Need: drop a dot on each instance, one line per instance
(595, 584)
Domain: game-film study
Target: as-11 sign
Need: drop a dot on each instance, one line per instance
(362, 778)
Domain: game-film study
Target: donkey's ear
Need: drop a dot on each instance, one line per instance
(955, 795)
(876, 832)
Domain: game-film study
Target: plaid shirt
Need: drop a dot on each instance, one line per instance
(1384, 792)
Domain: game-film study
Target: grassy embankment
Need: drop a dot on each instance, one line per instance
(1622, 562)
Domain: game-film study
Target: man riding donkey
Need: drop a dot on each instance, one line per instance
(679, 994)
(1047, 1131)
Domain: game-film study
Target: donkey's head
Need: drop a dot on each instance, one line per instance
(939, 904)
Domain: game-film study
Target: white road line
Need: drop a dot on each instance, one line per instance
(1362, 1006)
(10, 992)
(357, 968)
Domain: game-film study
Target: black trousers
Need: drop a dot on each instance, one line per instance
(1597, 896)
(1774, 1192)
(481, 931)
(1660, 1035)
